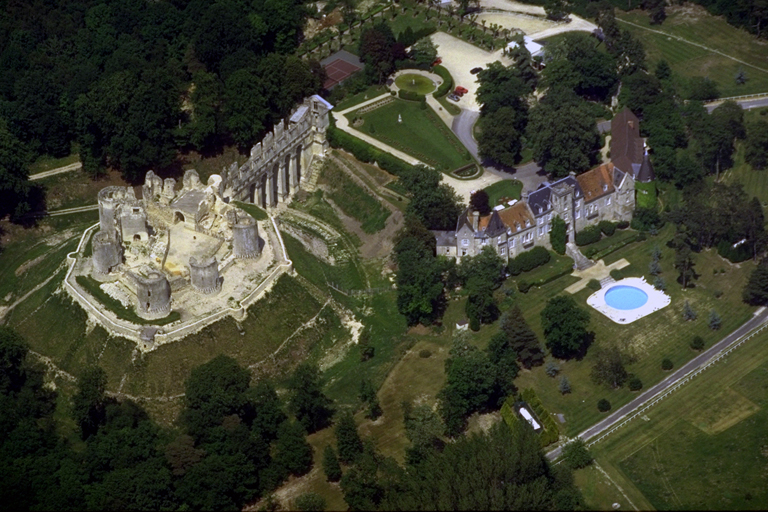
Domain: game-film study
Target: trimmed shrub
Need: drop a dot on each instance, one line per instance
(603, 405)
(666, 364)
(529, 260)
(622, 224)
(576, 455)
(616, 274)
(474, 323)
(594, 284)
(588, 235)
(635, 384)
(697, 343)
(607, 227)
(424, 353)
(447, 85)
(688, 312)
(659, 283)
(523, 286)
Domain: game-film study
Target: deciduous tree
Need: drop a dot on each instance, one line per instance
(565, 327)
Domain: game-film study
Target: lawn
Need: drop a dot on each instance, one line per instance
(353, 199)
(421, 134)
(663, 334)
(503, 190)
(369, 93)
(694, 25)
(415, 83)
(47, 163)
(755, 182)
(704, 447)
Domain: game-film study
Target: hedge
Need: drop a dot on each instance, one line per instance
(447, 85)
(410, 95)
(588, 235)
(607, 227)
(364, 151)
(529, 260)
(594, 253)
(550, 433)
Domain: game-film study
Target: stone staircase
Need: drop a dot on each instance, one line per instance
(606, 282)
(309, 183)
(580, 261)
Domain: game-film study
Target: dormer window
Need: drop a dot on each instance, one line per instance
(605, 187)
(539, 209)
(527, 223)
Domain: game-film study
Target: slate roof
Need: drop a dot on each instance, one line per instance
(540, 200)
(597, 182)
(445, 238)
(627, 147)
(645, 174)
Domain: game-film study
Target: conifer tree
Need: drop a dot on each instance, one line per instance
(331, 466)
(347, 439)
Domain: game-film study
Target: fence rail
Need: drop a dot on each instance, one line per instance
(736, 98)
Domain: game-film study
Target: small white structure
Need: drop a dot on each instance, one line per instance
(530, 419)
(534, 48)
(626, 313)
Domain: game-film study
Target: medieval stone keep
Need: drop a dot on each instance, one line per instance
(606, 192)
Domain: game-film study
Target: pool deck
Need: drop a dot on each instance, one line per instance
(656, 301)
(598, 271)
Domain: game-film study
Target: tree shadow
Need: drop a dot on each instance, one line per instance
(589, 338)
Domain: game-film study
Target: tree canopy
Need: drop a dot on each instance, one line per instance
(565, 327)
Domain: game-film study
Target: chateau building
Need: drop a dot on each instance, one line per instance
(606, 192)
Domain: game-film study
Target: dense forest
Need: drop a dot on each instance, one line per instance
(235, 442)
(133, 82)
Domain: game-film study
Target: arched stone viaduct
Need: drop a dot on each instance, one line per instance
(280, 162)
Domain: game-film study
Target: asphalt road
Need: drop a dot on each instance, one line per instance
(745, 104)
(760, 318)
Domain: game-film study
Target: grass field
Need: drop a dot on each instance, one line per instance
(505, 189)
(370, 92)
(353, 199)
(421, 134)
(705, 446)
(415, 83)
(694, 25)
(46, 163)
(663, 334)
(755, 182)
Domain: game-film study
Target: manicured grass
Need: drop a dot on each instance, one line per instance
(316, 205)
(650, 339)
(697, 26)
(91, 286)
(646, 194)
(421, 134)
(449, 106)
(703, 447)
(598, 491)
(408, 20)
(252, 210)
(506, 189)
(369, 93)
(353, 199)
(415, 83)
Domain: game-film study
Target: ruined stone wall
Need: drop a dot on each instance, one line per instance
(204, 274)
(153, 294)
(277, 164)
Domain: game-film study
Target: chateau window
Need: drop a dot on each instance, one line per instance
(512, 243)
(527, 223)
(578, 213)
(541, 230)
(608, 201)
(485, 241)
(503, 250)
(465, 243)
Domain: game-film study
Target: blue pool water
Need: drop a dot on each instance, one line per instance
(625, 297)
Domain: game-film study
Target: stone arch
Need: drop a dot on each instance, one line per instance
(252, 193)
(275, 177)
(178, 217)
(298, 164)
(286, 170)
(263, 202)
(137, 237)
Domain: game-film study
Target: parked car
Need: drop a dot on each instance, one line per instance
(453, 97)
(475, 71)
(437, 62)
(460, 91)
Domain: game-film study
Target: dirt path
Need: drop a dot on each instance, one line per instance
(53, 172)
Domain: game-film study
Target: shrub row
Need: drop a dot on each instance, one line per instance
(588, 235)
(550, 433)
(524, 285)
(607, 227)
(594, 253)
(365, 152)
(410, 95)
(529, 260)
(447, 85)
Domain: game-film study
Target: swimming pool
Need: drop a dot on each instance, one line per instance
(628, 300)
(625, 297)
